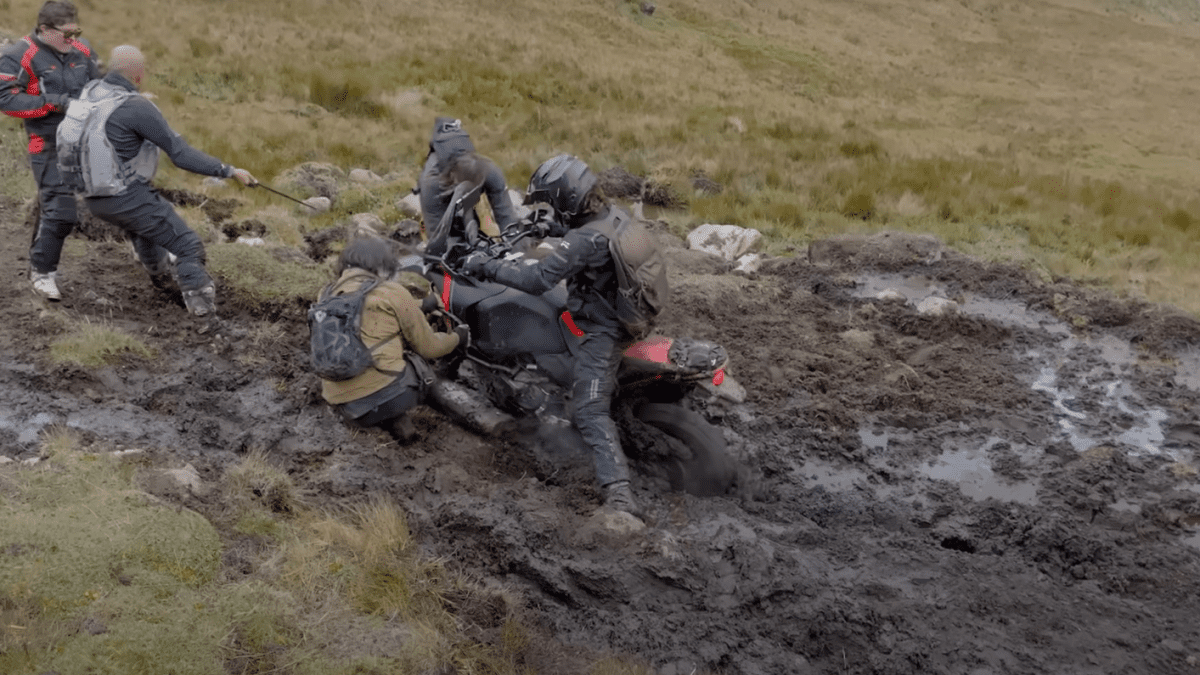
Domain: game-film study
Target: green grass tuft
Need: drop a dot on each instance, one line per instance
(91, 345)
(254, 277)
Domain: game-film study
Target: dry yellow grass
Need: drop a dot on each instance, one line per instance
(1070, 120)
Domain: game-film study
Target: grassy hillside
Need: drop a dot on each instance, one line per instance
(1058, 132)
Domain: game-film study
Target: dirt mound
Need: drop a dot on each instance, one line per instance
(1005, 488)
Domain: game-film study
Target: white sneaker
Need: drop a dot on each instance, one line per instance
(46, 285)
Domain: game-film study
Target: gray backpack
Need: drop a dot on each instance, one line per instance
(641, 272)
(87, 161)
(336, 348)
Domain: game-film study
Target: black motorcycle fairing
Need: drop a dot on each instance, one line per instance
(507, 323)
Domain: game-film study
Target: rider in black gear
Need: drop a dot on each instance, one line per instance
(583, 259)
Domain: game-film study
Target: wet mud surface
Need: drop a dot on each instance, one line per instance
(1009, 488)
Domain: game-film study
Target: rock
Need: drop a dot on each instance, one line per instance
(726, 241)
(749, 263)
(214, 182)
(736, 124)
(934, 306)
(251, 241)
(647, 8)
(616, 522)
(705, 185)
(409, 205)
(318, 204)
(180, 482)
(407, 231)
(365, 176)
(316, 177)
(891, 295)
(367, 223)
(859, 339)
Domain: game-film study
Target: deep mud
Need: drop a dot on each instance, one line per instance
(1006, 489)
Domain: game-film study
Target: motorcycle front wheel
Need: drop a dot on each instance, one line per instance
(699, 463)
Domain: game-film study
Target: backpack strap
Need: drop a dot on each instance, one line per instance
(608, 227)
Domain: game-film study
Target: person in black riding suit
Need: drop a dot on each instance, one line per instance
(452, 160)
(582, 257)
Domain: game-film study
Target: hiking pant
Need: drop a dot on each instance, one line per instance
(387, 404)
(592, 392)
(57, 218)
(155, 228)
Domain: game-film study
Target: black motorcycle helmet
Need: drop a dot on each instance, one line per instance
(562, 182)
(449, 140)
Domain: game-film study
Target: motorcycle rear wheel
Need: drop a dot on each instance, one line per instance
(701, 466)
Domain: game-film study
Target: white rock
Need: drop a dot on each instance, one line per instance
(6, 460)
(737, 124)
(726, 241)
(367, 223)
(934, 306)
(213, 182)
(318, 204)
(617, 522)
(364, 176)
(409, 205)
(890, 295)
(749, 263)
(31, 461)
(251, 241)
(186, 478)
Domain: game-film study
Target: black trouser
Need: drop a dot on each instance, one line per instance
(387, 404)
(592, 392)
(155, 227)
(57, 218)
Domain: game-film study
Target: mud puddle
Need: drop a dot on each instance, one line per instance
(1085, 378)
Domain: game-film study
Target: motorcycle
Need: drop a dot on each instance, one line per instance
(519, 364)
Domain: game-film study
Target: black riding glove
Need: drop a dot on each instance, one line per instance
(479, 265)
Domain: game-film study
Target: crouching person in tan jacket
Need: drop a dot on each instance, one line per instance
(400, 335)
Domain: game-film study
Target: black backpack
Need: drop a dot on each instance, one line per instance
(337, 351)
(641, 272)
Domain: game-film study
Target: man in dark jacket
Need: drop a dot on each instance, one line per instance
(452, 160)
(155, 228)
(38, 75)
(583, 259)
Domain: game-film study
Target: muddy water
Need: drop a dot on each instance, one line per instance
(1085, 379)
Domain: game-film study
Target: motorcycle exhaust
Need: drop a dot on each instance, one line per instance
(465, 405)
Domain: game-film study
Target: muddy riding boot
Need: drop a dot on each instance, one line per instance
(618, 497)
(403, 429)
(201, 301)
(162, 275)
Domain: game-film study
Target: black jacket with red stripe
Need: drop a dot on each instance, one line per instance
(36, 82)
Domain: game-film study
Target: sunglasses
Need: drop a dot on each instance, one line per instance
(69, 34)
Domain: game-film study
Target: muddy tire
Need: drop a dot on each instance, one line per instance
(700, 464)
